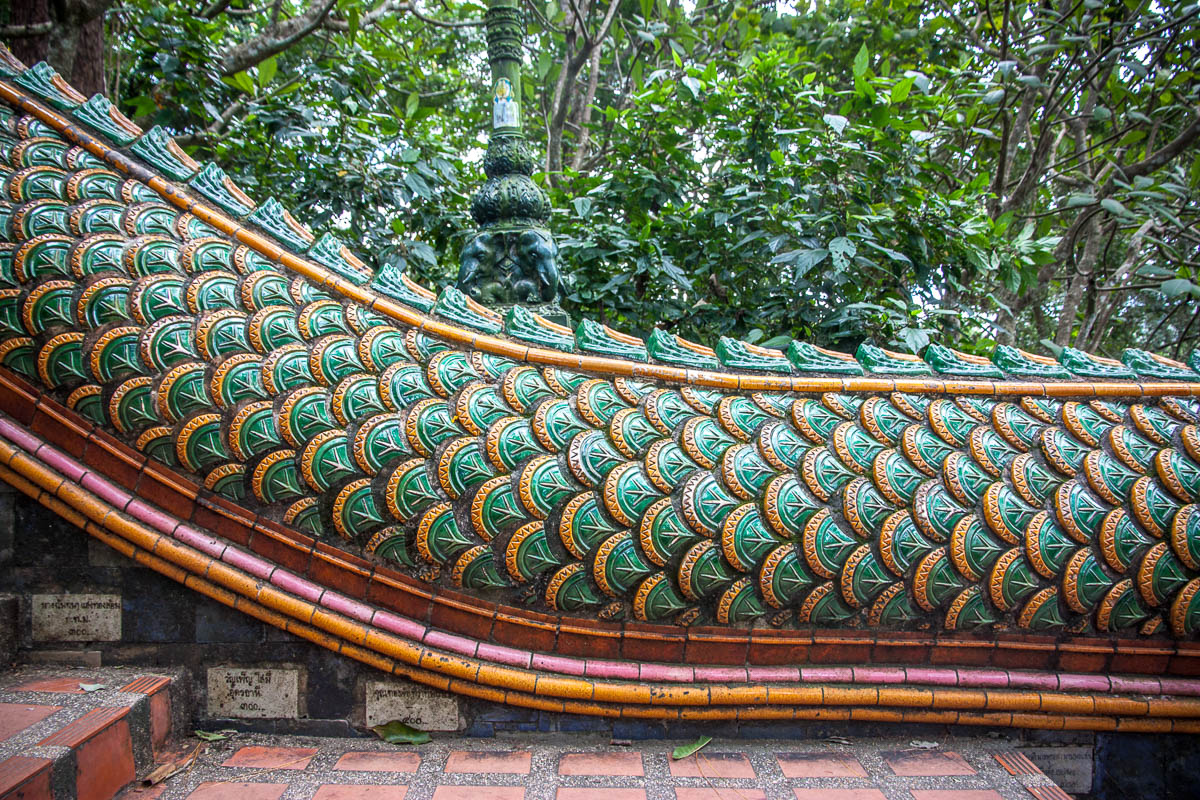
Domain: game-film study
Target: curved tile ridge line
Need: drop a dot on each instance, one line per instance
(611, 367)
(88, 501)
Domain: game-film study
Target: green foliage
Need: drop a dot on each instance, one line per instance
(891, 171)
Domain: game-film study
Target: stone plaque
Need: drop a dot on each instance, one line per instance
(1070, 766)
(248, 693)
(76, 617)
(409, 702)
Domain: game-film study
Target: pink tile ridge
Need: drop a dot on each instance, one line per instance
(983, 678)
(118, 498)
(611, 670)
(344, 605)
(67, 467)
(667, 672)
(401, 626)
(500, 654)
(878, 674)
(1087, 683)
(258, 567)
(826, 674)
(20, 437)
(451, 642)
(209, 545)
(298, 586)
(1136, 685)
(1032, 680)
(722, 674)
(561, 664)
(933, 676)
(773, 674)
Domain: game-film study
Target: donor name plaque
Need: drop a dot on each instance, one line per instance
(247, 693)
(76, 617)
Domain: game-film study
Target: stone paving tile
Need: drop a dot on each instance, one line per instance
(343, 791)
(599, 793)
(372, 761)
(230, 790)
(512, 763)
(16, 717)
(833, 793)
(271, 757)
(718, 793)
(601, 764)
(713, 765)
(59, 685)
(926, 763)
(820, 765)
(479, 793)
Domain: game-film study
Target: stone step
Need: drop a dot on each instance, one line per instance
(83, 734)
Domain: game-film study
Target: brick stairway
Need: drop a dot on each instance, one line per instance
(84, 734)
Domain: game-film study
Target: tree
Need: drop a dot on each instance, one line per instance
(890, 170)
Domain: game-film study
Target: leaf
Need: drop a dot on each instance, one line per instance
(842, 250)
(993, 97)
(412, 104)
(267, 70)
(583, 206)
(861, 58)
(693, 85)
(397, 732)
(91, 687)
(837, 122)
(1115, 208)
(685, 750)
(1176, 287)
(210, 736)
(901, 90)
(244, 82)
(804, 260)
(922, 744)
(920, 79)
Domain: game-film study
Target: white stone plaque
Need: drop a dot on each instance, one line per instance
(420, 707)
(76, 617)
(248, 693)
(1070, 766)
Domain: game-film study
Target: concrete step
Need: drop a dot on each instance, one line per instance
(83, 734)
(252, 766)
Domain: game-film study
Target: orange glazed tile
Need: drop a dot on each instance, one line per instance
(713, 793)
(925, 763)
(104, 763)
(713, 765)
(601, 764)
(956, 794)
(599, 793)
(271, 757)
(379, 761)
(479, 793)
(820, 765)
(237, 791)
(512, 763)
(335, 791)
(839, 794)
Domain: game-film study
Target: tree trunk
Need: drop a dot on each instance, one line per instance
(75, 44)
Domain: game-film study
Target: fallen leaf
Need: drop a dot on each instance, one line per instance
(397, 732)
(921, 744)
(210, 736)
(685, 750)
(837, 740)
(91, 687)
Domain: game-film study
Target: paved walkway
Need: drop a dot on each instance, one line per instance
(541, 767)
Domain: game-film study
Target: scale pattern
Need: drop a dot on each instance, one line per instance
(576, 493)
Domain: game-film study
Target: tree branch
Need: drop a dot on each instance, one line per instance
(275, 39)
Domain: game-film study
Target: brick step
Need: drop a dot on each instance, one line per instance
(62, 738)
